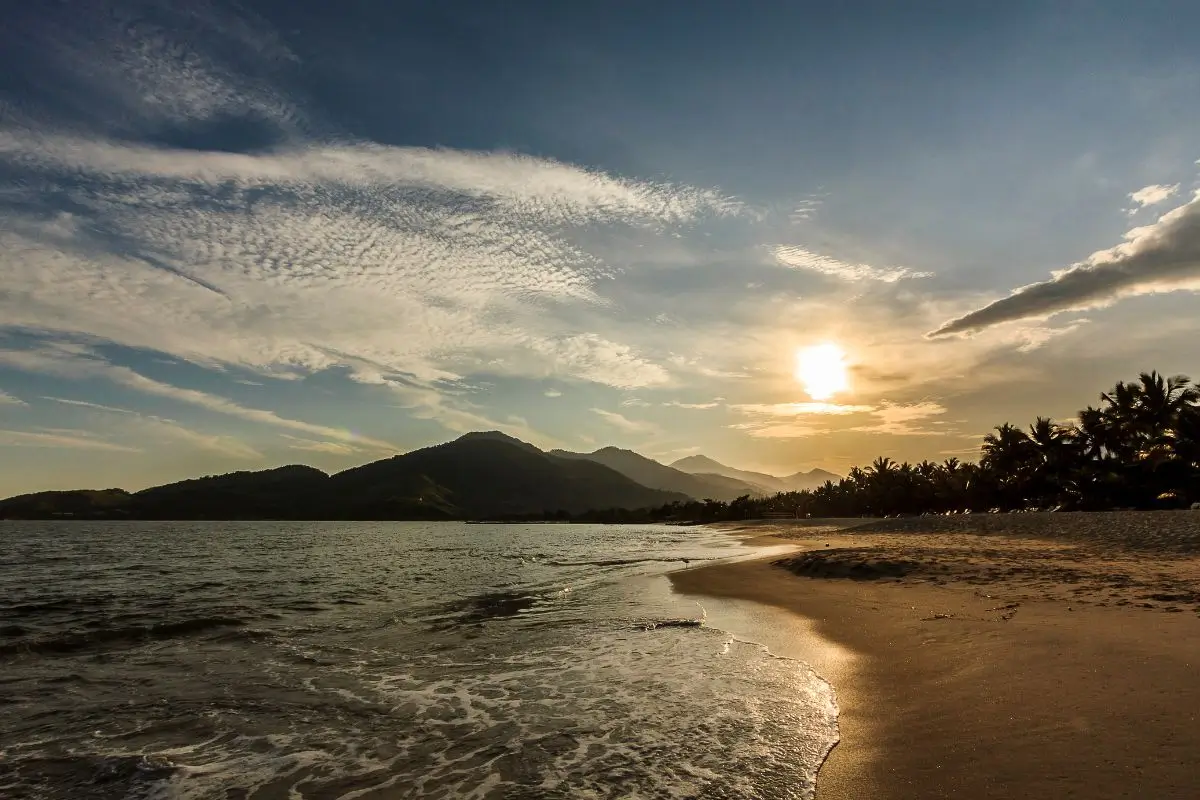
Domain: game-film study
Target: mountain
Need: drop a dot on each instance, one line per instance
(651, 473)
(733, 486)
(792, 483)
(479, 475)
(809, 480)
(486, 475)
(704, 464)
(84, 503)
(281, 493)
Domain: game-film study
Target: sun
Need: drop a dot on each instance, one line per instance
(822, 370)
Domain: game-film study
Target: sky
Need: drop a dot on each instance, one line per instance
(240, 235)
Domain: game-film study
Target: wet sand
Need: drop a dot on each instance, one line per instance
(1047, 656)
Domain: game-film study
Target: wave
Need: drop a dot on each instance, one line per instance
(48, 606)
(676, 622)
(621, 562)
(671, 623)
(73, 642)
(95, 776)
(483, 607)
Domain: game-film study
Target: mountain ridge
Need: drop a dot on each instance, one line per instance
(656, 475)
(477, 476)
(795, 482)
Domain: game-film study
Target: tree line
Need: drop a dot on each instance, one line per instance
(1140, 448)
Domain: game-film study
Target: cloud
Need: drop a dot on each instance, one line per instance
(694, 365)
(770, 429)
(804, 210)
(154, 68)
(593, 358)
(61, 437)
(135, 424)
(799, 409)
(519, 185)
(677, 453)
(312, 445)
(1162, 257)
(1035, 336)
(898, 413)
(283, 278)
(84, 404)
(171, 431)
(1152, 195)
(134, 380)
(552, 393)
(692, 406)
(624, 423)
(309, 250)
(71, 362)
(783, 420)
(896, 419)
(7, 399)
(461, 416)
(797, 257)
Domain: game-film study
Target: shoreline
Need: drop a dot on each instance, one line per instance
(990, 666)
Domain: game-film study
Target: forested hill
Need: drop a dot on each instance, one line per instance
(477, 476)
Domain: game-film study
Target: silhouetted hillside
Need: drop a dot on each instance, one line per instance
(282, 493)
(704, 465)
(802, 481)
(84, 503)
(487, 475)
(770, 483)
(651, 473)
(479, 475)
(732, 486)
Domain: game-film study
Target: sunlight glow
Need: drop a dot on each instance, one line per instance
(822, 370)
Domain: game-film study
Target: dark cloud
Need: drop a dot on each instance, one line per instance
(1157, 258)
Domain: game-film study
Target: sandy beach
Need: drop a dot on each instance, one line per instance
(993, 656)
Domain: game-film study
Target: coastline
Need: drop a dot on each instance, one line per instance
(998, 665)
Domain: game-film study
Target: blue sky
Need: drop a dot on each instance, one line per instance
(240, 235)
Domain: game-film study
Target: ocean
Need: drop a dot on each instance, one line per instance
(255, 661)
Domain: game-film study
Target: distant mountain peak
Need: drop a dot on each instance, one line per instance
(648, 472)
(622, 450)
(495, 436)
(699, 464)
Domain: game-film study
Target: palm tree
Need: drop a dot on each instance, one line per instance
(1008, 459)
(1161, 400)
(1054, 455)
(1187, 451)
(1141, 447)
(1143, 417)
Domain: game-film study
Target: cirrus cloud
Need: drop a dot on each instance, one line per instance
(302, 250)
(802, 420)
(798, 257)
(625, 424)
(62, 437)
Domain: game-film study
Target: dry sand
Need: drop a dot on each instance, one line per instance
(1006, 656)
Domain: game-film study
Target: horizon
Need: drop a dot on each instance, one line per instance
(293, 464)
(797, 238)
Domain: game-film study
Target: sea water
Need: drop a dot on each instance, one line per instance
(386, 660)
